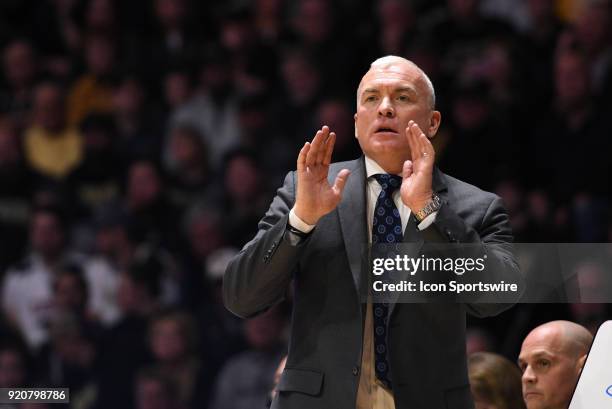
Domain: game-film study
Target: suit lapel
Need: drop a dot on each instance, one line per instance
(353, 220)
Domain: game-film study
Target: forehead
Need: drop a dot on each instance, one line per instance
(392, 75)
(547, 341)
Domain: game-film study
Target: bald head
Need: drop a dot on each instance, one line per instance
(569, 337)
(395, 63)
(551, 359)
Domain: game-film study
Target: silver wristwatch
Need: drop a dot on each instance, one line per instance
(433, 206)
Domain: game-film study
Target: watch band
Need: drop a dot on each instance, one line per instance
(433, 206)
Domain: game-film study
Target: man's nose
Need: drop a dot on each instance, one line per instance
(386, 108)
(529, 376)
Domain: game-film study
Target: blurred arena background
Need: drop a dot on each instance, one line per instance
(141, 141)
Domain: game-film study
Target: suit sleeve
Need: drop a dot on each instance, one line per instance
(259, 276)
(495, 237)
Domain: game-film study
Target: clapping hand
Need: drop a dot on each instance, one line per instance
(315, 197)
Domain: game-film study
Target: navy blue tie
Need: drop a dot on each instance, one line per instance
(386, 228)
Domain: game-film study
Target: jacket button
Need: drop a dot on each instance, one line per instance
(355, 370)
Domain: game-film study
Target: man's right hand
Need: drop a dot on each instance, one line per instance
(315, 197)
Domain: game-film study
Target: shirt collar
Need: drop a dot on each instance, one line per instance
(373, 168)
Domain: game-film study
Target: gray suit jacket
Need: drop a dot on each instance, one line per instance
(426, 341)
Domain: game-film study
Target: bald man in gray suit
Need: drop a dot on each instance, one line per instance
(313, 236)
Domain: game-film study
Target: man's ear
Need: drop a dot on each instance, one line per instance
(355, 117)
(434, 124)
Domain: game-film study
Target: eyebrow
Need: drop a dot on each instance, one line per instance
(541, 354)
(400, 89)
(406, 89)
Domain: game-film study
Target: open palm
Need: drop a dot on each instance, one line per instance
(315, 196)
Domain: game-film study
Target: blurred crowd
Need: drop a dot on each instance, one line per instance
(142, 140)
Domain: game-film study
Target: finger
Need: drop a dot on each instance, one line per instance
(427, 147)
(323, 147)
(340, 181)
(301, 160)
(407, 169)
(423, 145)
(414, 149)
(312, 152)
(331, 141)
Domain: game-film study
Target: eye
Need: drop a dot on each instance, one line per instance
(370, 98)
(403, 98)
(543, 363)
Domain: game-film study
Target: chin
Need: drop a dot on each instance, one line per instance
(534, 401)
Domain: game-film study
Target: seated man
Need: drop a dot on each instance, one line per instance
(551, 359)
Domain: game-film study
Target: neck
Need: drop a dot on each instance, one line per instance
(392, 166)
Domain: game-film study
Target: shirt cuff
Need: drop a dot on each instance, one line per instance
(300, 224)
(427, 221)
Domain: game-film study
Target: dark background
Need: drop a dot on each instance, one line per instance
(141, 141)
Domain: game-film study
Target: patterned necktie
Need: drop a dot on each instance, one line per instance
(386, 228)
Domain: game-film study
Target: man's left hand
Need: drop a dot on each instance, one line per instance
(417, 173)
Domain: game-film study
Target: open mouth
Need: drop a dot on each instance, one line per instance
(384, 129)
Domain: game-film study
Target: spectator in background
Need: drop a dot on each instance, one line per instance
(114, 252)
(139, 126)
(155, 391)
(476, 132)
(551, 358)
(315, 28)
(173, 343)
(124, 347)
(252, 372)
(52, 147)
(574, 116)
(478, 340)
(177, 88)
(203, 233)
(539, 48)
(13, 364)
(339, 116)
(268, 20)
(16, 186)
(100, 16)
(176, 36)
(511, 192)
(495, 382)
(263, 136)
(147, 207)
(27, 287)
(213, 109)
(593, 35)
(189, 179)
(244, 196)
(594, 284)
(92, 91)
(68, 359)
(93, 182)
(460, 29)
(302, 84)
(57, 35)
(252, 64)
(19, 63)
(396, 26)
(224, 331)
